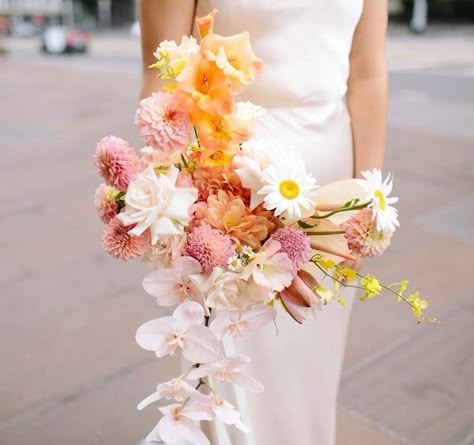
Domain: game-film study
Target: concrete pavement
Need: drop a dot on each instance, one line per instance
(70, 369)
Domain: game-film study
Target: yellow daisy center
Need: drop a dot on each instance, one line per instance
(378, 194)
(289, 189)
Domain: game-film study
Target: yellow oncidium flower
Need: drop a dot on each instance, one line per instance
(324, 293)
(402, 289)
(371, 286)
(289, 189)
(417, 304)
(345, 273)
(326, 263)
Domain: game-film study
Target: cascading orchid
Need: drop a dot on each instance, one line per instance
(234, 227)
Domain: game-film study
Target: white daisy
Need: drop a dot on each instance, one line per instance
(289, 190)
(378, 191)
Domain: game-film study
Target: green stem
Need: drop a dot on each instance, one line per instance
(346, 209)
(325, 232)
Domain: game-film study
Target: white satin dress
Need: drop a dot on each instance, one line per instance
(305, 47)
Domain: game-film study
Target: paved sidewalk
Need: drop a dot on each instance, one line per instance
(70, 369)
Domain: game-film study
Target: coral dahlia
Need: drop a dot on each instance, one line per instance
(121, 244)
(105, 202)
(362, 235)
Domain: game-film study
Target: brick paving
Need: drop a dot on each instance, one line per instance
(70, 369)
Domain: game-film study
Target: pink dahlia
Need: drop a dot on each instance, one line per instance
(163, 126)
(116, 162)
(295, 244)
(209, 247)
(121, 244)
(362, 235)
(105, 202)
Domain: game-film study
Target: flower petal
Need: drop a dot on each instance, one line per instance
(188, 314)
(152, 334)
(200, 345)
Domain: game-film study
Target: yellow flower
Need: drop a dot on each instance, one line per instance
(326, 263)
(401, 289)
(324, 293)
(417, 304)
(371, 286)
(345, 273)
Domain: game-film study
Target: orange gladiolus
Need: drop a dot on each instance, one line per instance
(203, 85)
(205, 24)
(234, 56)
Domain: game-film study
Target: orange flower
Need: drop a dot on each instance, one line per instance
(205, 24)
(220, 132)
(230, 215)
(234, 56)
(203, 85)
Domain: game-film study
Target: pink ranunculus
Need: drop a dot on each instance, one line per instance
(173, 285)
(105, 202)
(362, 235)
(210, 247)
(164, 126)
(121, 244)
(182, 330)
(295, 244)
(116, 162)
(229, 370)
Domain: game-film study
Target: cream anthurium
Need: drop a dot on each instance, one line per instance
(289, 191)
(381, 204)
(153, 201)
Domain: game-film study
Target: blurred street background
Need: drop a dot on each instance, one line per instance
(70, 371)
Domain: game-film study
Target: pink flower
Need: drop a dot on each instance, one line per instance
(224, 411)
(270, 268)
(173, 286)
(300, 299)
(116, 162)
(295, 244)
(121, 244)
(164, 126)
(362, 235)
(175, 389)
(209, 247)
(229, 370)
(182, 330)
(180, 424)
(105, 202)
(238, 321)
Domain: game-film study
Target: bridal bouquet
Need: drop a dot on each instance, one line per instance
(234, 228)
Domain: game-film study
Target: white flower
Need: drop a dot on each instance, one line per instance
(254, 157)
(153, 201)
(378, 191)
(234, 263)
(289, 190)
(172, 58)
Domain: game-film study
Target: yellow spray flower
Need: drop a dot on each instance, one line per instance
(417, 304)
(402, 289)
(371, 286)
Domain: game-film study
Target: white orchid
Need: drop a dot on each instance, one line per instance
(180, 424)
(153, 201)
(238, 321)
(183, 330)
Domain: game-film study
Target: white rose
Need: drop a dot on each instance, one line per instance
(153, 201)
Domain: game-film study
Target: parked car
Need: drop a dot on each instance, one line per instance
(63, 40)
